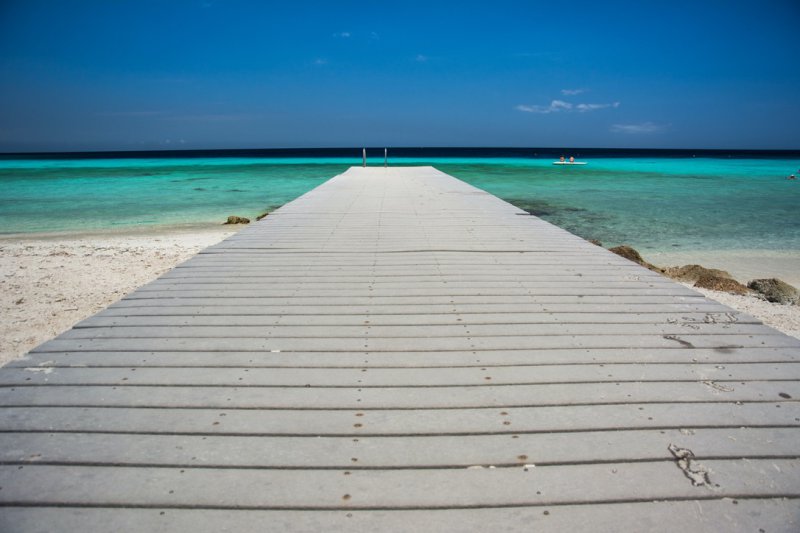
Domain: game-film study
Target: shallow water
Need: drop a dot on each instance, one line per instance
(651, 203)
(114, 194)
(656, 204)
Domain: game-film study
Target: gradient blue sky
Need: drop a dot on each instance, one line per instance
(128, 75)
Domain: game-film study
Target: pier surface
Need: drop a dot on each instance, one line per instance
(399, 351)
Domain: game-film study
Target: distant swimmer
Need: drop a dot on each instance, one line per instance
(791, 177)
(561, 159)
(571, 159)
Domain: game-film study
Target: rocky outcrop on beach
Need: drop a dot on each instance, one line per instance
(237, 220)
(706, 278)
(262, 215)
(721, 284)
(776, 291)
(632, 255)
(691, 273)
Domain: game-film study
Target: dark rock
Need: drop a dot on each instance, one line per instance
(237, 220)
(596, 242)
(632, 255)
(775, 290)
(628, 253)
(262, 215)
(719, 283)
(692, 273)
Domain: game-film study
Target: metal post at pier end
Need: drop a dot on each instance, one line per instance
(364, 157)
(385, 157)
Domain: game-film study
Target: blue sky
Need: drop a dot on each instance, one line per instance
(128, 75)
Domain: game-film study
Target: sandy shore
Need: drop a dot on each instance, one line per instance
(743, 265)
(47, 284)
(785, 318)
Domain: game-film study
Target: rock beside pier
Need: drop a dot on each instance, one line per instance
(776, 291)
(704, 278)
(237, 220)
(720, 283)
(632, 255)
(692, 273)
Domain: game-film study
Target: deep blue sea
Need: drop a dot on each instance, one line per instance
(653, 200)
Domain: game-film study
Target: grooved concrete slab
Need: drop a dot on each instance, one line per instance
(397, 350)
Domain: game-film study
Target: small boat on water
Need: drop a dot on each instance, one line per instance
(569, 162)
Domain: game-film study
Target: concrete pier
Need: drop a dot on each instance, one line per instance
(397, 350)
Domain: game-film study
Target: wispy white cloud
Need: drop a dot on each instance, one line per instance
(554, 107)
(342, 34)
(532, 108)
(421, 58)
(320, 61)
(572, 92)
(560, 105)
(583, 108)
(557, 106)
(374, 35)
(640, 128)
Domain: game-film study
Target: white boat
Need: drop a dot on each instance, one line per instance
(569, 163)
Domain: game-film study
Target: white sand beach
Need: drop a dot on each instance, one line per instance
(743, 265)
(746, 265)
(49, 283)
(785, 318)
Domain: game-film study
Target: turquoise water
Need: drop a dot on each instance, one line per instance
(657, 204)
(91, 195)
(653, 204)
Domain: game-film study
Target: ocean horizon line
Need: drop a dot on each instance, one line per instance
(409, 151)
